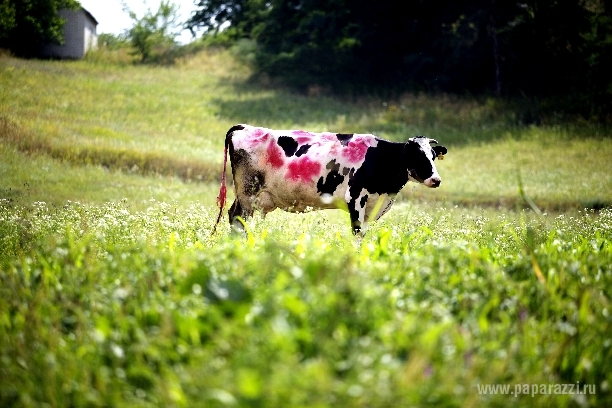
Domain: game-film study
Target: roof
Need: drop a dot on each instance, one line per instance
(88, 14)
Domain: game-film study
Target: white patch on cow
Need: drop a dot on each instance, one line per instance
(385, 207)
(361, 210)
(434, 179)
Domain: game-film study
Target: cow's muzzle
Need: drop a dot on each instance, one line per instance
(433, 182)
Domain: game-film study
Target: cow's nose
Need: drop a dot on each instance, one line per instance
(434, 182)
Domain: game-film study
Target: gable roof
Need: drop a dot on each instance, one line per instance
(88, 14)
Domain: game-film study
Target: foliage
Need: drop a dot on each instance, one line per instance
(153, 30)
(112, 41)
(105, 306)
(25, 24)
(553, 51)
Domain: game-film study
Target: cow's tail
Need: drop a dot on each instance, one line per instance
(222, 197)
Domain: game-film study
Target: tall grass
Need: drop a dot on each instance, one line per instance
(107, 306)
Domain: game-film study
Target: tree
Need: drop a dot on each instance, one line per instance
(153, 29)
(551, 50)
(26, 24)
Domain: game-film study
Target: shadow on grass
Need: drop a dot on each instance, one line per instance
(448, 119)
(272, 108)
(453, 120)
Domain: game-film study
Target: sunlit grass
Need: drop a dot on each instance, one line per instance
(172, 121)
(556, 173)
(27, 179)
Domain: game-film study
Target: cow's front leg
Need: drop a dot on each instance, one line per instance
(357, 218)
(356, 199)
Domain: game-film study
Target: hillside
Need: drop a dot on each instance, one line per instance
(171, 122)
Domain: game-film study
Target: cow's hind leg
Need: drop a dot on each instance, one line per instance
(247, 182)
(241, 210)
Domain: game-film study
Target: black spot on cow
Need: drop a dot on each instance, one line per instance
(253, 182)
(364, 200)
(302, 150)
(344, 138)
(333, 166)
(239, 157)
(328, 184)
(345, 171)
(288, 144)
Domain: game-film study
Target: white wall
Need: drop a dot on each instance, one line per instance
(91, 37)
(79, 36)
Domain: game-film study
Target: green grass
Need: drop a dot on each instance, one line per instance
(105, 306)
(113, 292)
(172, 121)
(28, 179)
(558, 173)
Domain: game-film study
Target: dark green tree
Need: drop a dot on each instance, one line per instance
(26, 24)
(553, 51)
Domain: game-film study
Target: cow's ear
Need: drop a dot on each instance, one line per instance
(440, 151)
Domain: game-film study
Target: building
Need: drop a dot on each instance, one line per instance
(79, 35)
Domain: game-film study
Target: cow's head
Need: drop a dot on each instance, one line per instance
(419, 158)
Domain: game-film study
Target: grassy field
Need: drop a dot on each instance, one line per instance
(172, 121)
(113, 292)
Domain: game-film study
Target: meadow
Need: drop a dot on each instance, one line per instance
(114, 292)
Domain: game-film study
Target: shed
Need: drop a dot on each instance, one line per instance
(79, 35)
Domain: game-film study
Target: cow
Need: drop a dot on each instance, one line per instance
(297, 171)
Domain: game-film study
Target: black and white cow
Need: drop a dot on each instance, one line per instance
(296, 171)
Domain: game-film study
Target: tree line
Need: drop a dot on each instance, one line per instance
(557, 52)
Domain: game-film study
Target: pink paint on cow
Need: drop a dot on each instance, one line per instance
(257, 136)
(303, 169)
(329, 137)
(356, 149)
(302, 133)
(274, 155)
(303, 137)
